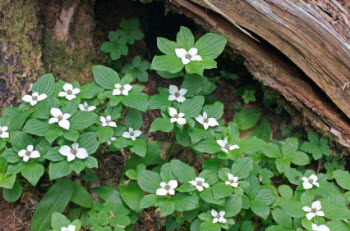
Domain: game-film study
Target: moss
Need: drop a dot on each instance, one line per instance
(22, 33)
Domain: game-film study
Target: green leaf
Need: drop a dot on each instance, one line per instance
(211, 45)
(33, 172)
(315, 146)
(58, 221)
(83, 119)
(71, 135)
(131, 27)
(159, 101)
(221, 190)
(299, 158)
(149, 181)
(59, 169)
(242, 168)
(45, 84)
(105, 76)
(149, 200)
(169, 63)
(208, 145)
(233, 206)
(215, 110)
(184, 38)
(263, 130)
(342, 178)
(108, 194)
(161, 124)
(133, 119)
(55, 200)
(166, 46)
(6, 181)
(185, 202)
(260, 209)
(272, 150)
(89, 141)
(282, 218)
(209, 226)
(265, 196)
(131, 195)
(291, 207)
(139, 147)
(81, 197)
(36, 127)
(104, 133)
(195, 67)
(138, 101)
(192, 107)
(21, 141)
(138, 69)
(90, 90)
(246, 119)
(166, 173)
(12, 195)
(182, 171)
(166, 207)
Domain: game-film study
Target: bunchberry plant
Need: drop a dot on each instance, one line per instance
(246, 179)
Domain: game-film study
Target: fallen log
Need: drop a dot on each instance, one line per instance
(306, 61)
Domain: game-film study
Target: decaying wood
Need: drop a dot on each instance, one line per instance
(317, 51)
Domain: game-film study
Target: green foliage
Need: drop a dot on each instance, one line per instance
(316, 147)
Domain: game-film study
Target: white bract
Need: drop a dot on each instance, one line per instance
(315, 210)
(206, 122)
(60, 118)
(310, 182)
(131, 134)
(232, 180)
(69, 92)
(188, 56)
(28, 153)
(73, 151)
(109, 142)
(167, 188)
(319, 228)
(225, 146)
(86, 107)
(199, 183)
(218, 216)
(176, 117)
(176, 94)
(106, 121)
(34, 98)
(69, 228)
(121, 89)
(3, 132)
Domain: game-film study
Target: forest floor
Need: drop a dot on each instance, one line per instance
(17, 216)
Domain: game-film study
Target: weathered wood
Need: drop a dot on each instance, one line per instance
(321, 54)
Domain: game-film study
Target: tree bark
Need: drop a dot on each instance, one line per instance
(308, 62)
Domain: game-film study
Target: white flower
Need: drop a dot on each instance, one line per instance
(3, 132)
(34, 98)
(199, 183)
(69, 228)
(315, 210)
(109, 142)
(206, 122)
(176, 117)
(60, 118)
(106, 121)
(232, 180)
(176, 94)
(319, 228)
(225, 146)
(73, 152)
(187, 57)
(218, 216)
(310, 182)
(69, 92)
(121, 90)
(28, 153)
(167, 188)
(86, 107)
(132, 134)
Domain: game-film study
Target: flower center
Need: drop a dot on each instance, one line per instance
(1, 131)
(232, 181)
(176, 116)
(86, 108)
(69, 92)
(218, 216)
(314, 210)
(122, 88)
(132, 134)
(35, 98)
(28, 153)
(177, 94)
(60, 118)
(311, 181)
(74, 151)
(188, 56)
(199, 183)
(227, 146)
(167, 187)
(205, 121)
